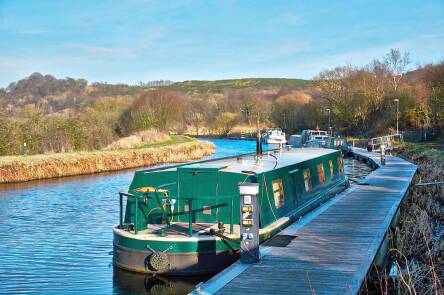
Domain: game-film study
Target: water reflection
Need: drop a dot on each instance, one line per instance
(132, 283)
(355, 170)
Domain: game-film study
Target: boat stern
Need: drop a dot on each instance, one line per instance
(168, 255)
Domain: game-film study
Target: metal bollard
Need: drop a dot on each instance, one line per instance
(382, 154)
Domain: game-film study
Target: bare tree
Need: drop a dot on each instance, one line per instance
(225, 122)
(396, 64)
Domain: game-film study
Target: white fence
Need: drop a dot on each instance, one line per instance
(386, 140)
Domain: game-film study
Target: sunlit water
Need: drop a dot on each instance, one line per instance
(56, 235)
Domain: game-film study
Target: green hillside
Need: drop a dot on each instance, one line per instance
(220, 85)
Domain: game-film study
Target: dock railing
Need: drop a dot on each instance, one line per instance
(163, 198)
(386, 141)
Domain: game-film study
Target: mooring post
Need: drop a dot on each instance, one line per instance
(258, 142)
(249, 222)
(382, 154)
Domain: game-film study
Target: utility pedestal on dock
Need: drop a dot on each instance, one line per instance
(249, 222)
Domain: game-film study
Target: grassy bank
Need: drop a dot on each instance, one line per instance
(173, 140)
(417, 245)
(25, 168)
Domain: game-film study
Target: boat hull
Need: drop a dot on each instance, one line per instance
(275, 140)
(178, 263)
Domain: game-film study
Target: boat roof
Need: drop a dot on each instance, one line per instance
(249, 164)
(311, 130)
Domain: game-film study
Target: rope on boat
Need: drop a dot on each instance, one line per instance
(268, 198)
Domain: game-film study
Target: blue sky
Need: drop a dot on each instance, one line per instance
(134, 40)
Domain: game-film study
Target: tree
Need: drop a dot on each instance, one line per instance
(32, 126)
(225, 122)
(396, 64)
(433, 79)
(9, 137)
(196, 120)
(194, 114)
(286, 113)
(153, 109)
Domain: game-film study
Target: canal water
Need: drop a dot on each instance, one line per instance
(56, 235)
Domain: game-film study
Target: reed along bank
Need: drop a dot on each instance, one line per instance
(416, 247)
(33, 167)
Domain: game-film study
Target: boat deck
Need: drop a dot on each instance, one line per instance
(180, 229)
(335, 245)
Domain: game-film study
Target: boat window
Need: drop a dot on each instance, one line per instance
(321, 175)
(278, 193)
(307, 179)
(206, 210)
(340, 165)
(332, 173)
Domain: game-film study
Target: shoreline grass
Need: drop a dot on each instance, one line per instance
(44, 166)
(417, 244)
(174, 139)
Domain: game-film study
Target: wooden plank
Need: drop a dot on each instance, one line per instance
(336, 248)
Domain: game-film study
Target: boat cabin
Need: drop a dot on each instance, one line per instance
(206, 193)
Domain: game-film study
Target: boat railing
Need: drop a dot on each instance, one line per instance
(336, 143)
(160, 196)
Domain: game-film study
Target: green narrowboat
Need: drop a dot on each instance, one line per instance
(184, 219)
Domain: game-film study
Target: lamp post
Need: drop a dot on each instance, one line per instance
(329, 121)
(397, 115)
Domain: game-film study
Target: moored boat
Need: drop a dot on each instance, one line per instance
(184, 219)
(319, 138)
(274, 136)
(314, 138)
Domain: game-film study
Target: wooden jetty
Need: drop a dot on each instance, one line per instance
(335, 245)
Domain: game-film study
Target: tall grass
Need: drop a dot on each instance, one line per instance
(25, 168)
(417, 244)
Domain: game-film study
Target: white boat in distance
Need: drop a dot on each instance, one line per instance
(314, 138)
(274, 136)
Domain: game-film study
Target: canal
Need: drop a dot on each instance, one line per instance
(56, 235)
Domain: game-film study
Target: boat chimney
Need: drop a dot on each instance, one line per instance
(258, 142)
